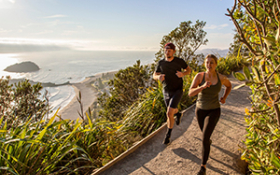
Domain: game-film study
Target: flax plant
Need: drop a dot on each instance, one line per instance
(57, 146)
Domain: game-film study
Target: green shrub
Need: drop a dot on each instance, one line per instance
(257, 24)
(125, 88)
(230, 63)
(20, 101)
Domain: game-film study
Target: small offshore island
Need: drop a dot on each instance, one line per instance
(27, 66)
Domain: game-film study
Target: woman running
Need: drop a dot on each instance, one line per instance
(207, 86)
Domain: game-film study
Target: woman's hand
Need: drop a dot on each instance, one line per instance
(223, 100)
(206, 84)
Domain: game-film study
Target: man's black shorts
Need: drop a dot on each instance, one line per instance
(172, 98)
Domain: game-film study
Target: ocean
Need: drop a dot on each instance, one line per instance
(74, 66)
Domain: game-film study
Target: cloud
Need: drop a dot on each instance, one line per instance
(223, 25)
(219, 40)
(4, 31)
(216, 26)
(56, 16)
(7, 4)
(221, 35)
(29, 25)
(22, 48)
(20, 45)
(17, 45)
(44, 32)
(79, 30)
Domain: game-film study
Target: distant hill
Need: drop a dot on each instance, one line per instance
(27, 66)
(218, 52)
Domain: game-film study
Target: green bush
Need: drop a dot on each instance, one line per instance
(125, 88)
(257, 24)
(20, 101)
(230, 63)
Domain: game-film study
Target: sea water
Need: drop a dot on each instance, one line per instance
(74, 66)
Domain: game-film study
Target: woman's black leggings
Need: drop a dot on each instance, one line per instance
(207, 120)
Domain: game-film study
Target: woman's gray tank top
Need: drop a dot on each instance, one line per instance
(208, 98)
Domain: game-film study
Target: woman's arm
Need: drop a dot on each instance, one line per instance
(227, 84)
(195, 88)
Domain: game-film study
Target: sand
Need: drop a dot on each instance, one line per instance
(89, 96)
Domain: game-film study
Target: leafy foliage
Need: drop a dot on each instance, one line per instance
(20, 102)
(187, 39)
(257, 23)
(231, 63)
(237, 48)
(126, 87)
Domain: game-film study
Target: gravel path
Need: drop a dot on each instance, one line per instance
(183, 155)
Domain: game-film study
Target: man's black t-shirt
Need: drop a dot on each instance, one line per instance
(170, 68)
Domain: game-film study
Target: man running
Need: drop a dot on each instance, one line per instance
(170, 71)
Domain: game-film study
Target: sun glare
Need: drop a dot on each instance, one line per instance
(7, 60)
(4, 4)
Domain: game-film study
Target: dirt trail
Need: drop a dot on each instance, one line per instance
(183, 155)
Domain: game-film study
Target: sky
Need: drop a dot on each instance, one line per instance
(28, 25)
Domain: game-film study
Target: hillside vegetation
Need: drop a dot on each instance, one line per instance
(32, 144)
(257, 24)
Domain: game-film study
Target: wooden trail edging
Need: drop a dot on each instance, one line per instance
(134, 147)
(183, 155)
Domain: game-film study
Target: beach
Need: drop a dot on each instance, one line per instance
(64, 73)
(89, 96)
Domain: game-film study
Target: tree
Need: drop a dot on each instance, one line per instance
(187, 38)
(125, 88)
(237, 48)
(21, 101)
(257, 24)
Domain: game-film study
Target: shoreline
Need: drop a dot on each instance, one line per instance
(88, 97)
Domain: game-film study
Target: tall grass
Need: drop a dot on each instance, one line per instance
(58, 147)
(149, 112)
(145, 115)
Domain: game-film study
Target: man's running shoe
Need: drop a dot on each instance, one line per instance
(166, 140)
(178, 118)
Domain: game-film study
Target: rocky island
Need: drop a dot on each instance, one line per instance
(27, 66)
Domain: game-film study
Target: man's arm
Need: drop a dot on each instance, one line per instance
(186, 71)
(158, 76)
